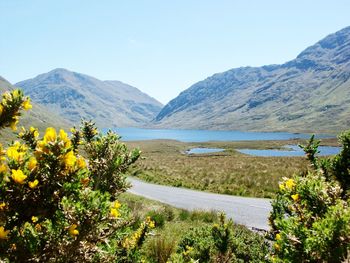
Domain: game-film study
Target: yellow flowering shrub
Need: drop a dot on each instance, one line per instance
(58, 205)
(310, 219)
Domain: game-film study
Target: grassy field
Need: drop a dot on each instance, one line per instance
(228, 172)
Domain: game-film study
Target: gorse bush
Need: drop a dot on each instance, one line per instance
(57, 205)
(221, 242)
(311, 215)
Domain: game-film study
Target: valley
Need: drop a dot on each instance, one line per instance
(229, 172)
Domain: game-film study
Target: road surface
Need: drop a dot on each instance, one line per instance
(251, 212)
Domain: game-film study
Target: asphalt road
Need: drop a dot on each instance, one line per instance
(251, 212)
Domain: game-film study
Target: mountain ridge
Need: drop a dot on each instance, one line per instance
(75, 95)
(304, 94)
(38, 116)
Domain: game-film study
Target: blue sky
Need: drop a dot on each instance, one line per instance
(161, 47)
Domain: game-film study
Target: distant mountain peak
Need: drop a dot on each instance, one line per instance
(75, 96)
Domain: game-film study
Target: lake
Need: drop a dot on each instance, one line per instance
(204, 150)
(291, 150)
(137, 134)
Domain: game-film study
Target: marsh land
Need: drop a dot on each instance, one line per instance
(228, 172)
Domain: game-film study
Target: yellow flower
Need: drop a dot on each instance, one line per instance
(50, 135)
(32, 163)
(33, 184)
(3, 233)
(114, 212)
(41, 147)
(290, 184)
(295, 197)
(278, 236)
(34, 219)
(1, 109)
(13, 153)
(18, 176)
(2, 206)
(81, 162)
(117, 204)
(26, 104)
(73, 231)
(34, 131)
(69, 159)
(281, 186)
(277, 247)
(15, 93)
(151, 224)
(13, 124)
(3, 168)
(63, 135)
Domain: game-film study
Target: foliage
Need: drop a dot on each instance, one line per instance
(227, 172)
(55, 204)
(158, 217)
(311, 215)
(221, 242)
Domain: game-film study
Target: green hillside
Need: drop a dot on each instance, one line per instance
(310, 93)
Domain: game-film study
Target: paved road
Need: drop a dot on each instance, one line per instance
(251, 212)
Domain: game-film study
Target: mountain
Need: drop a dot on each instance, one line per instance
(75, 96)
(309, 93)
(38, 116)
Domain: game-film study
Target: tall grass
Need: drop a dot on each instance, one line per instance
(228, 173)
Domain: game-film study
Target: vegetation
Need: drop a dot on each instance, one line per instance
(62, 200)
(188, 236)
(229, 172)
(56, 205)
(311, 214)
(74, 96)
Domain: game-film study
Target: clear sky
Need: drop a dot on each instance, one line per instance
(161, 47)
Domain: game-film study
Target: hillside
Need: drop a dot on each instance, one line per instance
(38, 116)
(309, 93)
(74, 96)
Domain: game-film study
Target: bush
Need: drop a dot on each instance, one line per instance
(55, 204)
(221, 242)
(158, 217)
(311, 215)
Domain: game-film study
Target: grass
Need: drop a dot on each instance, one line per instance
(163, 242)
(228, 172)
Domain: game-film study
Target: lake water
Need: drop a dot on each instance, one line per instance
(137, 134)
(292, 150)
(204, 150)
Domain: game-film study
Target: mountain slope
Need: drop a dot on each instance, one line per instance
(38, 116)
(309, 93)
(75, 96)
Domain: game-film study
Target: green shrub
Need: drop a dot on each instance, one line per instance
(158, 217)
(311, 215)
(221, 242)
(55, 204)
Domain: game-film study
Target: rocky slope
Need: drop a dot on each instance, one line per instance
(38, 116)
(74, 96)
(309, 93)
